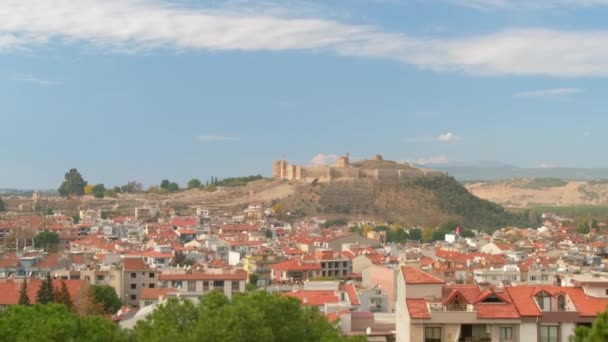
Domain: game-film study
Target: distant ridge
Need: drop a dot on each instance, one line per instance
(488, 171)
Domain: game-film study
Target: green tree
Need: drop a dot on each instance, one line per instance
(467, 233)
(598, 331)
(194, 183)
(99, 191)
(2, 206)
(23, 298)
(54, 322)
(180, 259)
(173, 187)
(427, 234)
(415, 234)
(62, 296)
(438, 235)
(252, 316)
(117, 189)
(46, 293)
(47, 240)
(583, 227)
(73, 184)
(106, 297)
(164, 184)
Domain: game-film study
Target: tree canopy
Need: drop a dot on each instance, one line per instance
(46, 293)
(2, 206)
(253, 316)
(194, 183)
(47, 240)
(106, 297)
(598, 331)
(55, 322)
(73, 184)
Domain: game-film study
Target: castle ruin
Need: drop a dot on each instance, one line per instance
(374, 169)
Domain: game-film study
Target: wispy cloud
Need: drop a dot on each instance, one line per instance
(135, 25)
(527, 4)
(554, 92)
(36, 80)
(213, 138)
(432, 160)
(448, 137)
(324, 159)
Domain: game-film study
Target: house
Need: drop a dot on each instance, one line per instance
(137, 275)
(295, 270)
(259, 263)
(194, 283)
(522, 313)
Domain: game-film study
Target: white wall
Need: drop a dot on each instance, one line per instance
(402, 315)
(567, 330)
(527, 332)
(234, 258)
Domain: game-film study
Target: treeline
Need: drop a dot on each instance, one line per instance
(237, 181)
(476, 213)
(252, 316)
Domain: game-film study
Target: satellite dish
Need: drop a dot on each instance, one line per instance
(368, 331)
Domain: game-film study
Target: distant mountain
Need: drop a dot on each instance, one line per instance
(488, 171)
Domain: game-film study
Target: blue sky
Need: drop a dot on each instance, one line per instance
(146, 90)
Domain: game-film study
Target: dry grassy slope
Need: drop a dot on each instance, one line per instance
(515, 193)
(366, 198)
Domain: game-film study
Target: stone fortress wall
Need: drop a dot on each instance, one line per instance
(375, 169)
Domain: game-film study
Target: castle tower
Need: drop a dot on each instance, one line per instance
(343, 161)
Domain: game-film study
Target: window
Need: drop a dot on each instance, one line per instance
(218, 284)
(544, 301)
(606, 292)
(561, 303)
(432, 334)
(191, 286)
(151, 275)
(235, 285)
(133, 275)
(205, 286)
(133, 297)
(133, 286)
(548, 333)
(506, 334)
(100, 278)
(152, 285)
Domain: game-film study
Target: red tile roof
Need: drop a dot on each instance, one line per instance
(352, 293)
(9, 289)
(155, 293)
(414, 275)
(236, 275)
(134, 264)
(314, 298)
(296, 265)
(418, 308)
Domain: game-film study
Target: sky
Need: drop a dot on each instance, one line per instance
(151, 89)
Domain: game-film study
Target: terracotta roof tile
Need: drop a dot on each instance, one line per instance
(414, 275)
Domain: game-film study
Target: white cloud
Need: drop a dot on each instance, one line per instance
(547, 165)
(213, 138)
(527, 4)
(136, 25)
(36, 80)
(324, 159)
(447, 137)
(432, 160)
(554, 92)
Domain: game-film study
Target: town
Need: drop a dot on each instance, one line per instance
(381, 280)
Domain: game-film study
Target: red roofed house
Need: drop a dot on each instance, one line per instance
(194, 283)
(295, 270)
(521, 313)
(137, 275)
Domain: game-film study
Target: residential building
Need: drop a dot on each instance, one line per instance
(137, 275)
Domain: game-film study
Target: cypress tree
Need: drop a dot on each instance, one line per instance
(62, 296)
(23, 298)
(46, 293)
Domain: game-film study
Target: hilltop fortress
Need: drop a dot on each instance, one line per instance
(374, 169)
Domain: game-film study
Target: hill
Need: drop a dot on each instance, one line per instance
(428, 200)
(530, 192)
